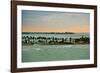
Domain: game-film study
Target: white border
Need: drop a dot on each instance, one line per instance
(53, 63)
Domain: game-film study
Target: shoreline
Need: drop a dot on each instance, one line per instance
(52, 44)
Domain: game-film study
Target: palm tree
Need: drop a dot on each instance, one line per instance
(70, 39)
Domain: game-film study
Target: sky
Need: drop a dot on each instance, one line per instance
(52, 21)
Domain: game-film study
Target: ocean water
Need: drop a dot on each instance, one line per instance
(76, 35)
(38, 52)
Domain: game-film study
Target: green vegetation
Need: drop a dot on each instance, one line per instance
(31, 40)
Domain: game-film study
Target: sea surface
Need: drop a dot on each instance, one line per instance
(38, 52)
(75, 35)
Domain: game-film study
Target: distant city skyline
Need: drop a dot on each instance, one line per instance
(52, 21)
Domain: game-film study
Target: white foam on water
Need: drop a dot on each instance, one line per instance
(68, 46)
(37, 49)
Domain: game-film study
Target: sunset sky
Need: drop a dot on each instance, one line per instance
(50, 21)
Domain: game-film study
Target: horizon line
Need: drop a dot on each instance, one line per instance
(60, 32)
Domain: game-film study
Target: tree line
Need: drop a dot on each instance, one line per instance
(31, 40)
